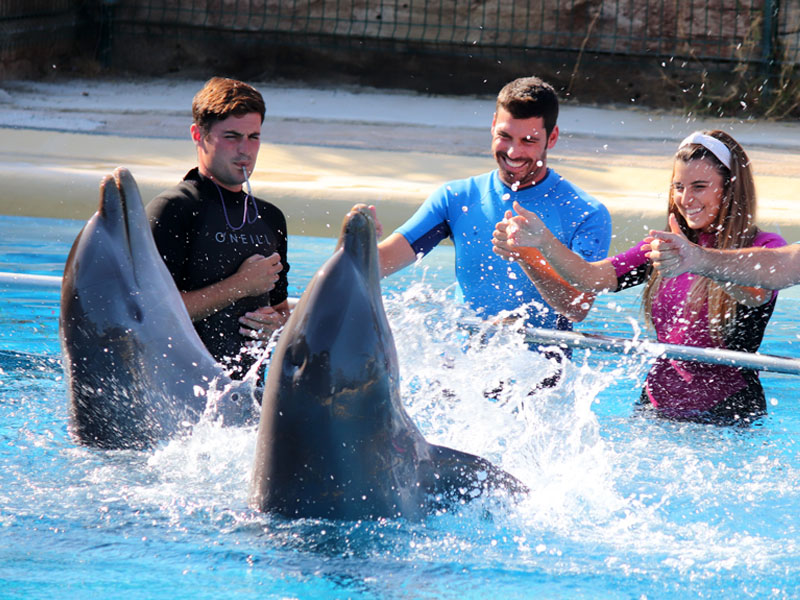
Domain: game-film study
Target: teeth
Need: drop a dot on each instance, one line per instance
(514, 163)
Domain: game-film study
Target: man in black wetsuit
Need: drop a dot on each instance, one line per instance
(225, 248)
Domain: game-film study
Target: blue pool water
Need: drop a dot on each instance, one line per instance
(622, 505)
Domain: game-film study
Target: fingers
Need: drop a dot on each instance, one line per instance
(659, 249)
(378, 225)
(665, 252)
(673, 224)
(259, 274)
(371, 208)
(664, 238)
(653, 242)
(275, 264)
(503, 250)
(260, 324)
(675, 232)
(500, 242)
(521, 211)
(270, 270)
(271, 264)
(524, 229)
(273, 261)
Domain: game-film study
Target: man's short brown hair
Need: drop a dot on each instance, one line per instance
(222, 97)
(528, 97)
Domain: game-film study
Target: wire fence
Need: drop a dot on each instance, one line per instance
(751, 31)
(734, 36)
(30, 25)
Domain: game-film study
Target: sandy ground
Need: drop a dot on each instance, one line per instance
(326, 149)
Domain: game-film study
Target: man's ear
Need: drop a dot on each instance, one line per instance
(551, 141)
(494, 120)
(196, 133)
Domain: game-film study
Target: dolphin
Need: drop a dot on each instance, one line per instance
(334, 440)
(136, 370)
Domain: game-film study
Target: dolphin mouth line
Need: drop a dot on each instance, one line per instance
(114, 192)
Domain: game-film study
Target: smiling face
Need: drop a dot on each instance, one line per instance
(520, 148)
(698, 190)
(229, 146)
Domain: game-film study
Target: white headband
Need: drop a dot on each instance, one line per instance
(711, 144)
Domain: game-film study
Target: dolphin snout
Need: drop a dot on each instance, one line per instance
(359, 218)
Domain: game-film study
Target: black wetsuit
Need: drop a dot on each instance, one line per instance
(202, 234)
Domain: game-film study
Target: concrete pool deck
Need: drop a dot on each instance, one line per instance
(324, 150)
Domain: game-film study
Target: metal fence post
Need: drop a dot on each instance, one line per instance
(769, 39)
(106, 27)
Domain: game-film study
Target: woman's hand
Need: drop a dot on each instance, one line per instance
(671, 253)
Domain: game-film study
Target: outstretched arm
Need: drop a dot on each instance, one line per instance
(771, 268)
(526, 230)
(556, 291)
(394, 253)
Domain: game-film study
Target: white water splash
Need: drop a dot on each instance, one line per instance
(470, 388)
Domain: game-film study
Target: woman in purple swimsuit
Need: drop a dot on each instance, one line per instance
(712, 199)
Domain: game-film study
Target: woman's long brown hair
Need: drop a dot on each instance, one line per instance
(735, 228)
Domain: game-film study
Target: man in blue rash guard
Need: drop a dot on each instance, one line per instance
(523, 130)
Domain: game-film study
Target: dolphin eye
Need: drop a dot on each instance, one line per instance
(297, 353)
(135, 311)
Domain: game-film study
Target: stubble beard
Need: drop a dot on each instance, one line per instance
(531, 177)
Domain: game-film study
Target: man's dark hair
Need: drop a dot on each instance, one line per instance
(528, 97)
(222, 97)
